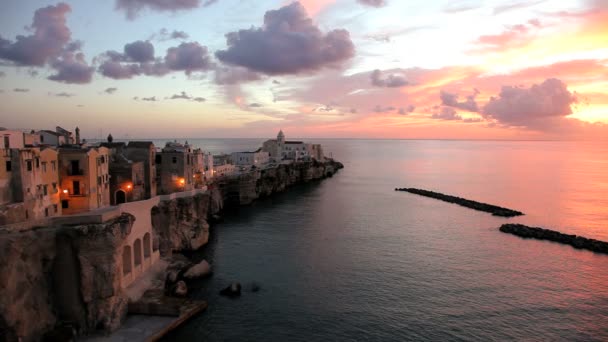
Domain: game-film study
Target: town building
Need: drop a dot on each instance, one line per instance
(58, 137)
(11, 139)
(175, 168)
(280, 149)
(126, 180)
(29, 184)
(85, 178)
(247, 159)
(145, 152)
(222, 165)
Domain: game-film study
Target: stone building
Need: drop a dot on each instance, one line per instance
(256, 158)
(176, 171)
(11, 139)
(281, 149)
(145, 152)
(58, 137)
(222, 165)
(85, 178)
(126, 181)
(29, 184)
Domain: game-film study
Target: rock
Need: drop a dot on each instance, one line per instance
(255, 287)
(234, 290)
(180, 289)
(199, 270)
(578, 242)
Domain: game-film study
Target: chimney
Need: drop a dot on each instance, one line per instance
(77, 130)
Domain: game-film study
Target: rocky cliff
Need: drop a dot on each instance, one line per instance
(64, 275)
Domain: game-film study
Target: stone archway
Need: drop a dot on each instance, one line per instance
(120, 197)
(126, 260)
(147, 246)
(137, 252)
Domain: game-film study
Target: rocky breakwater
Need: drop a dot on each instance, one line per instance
(489, 208)
(575, 241)
(62, 277)
(245, 188)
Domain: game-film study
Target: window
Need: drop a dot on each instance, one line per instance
(75, 166)
(43, 166)
(27, 215)
(158, 159)
(7, 142)
(41, 138)
(174, 159)
(37, 163)
(29, 165)
(99, 180)
(53, 166)
(55, 208)
(65, 204)
(46, 212)
(103, 159)
(9, 166)
(54, 186)
(76, 187)
(45, 189)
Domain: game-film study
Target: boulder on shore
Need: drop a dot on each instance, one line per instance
(199, 270)
(234, 290)
(180, 289)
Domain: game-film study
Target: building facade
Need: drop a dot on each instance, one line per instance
(85, 178)
(280, 149)
(29, 184)
(176, 171)
(256, 158)
(145, 152)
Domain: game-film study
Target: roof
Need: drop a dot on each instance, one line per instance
(294, 142)
(112, 144)
(146, 144)
(52, 132)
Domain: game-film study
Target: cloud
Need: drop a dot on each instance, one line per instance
(512, 36)
(384, 109)
(188, 57)
(451, 100)
(72, 68)
(519, 106)
(255, 105)
(110, 90)
(2, 74)
(372, 3)
(164, 35)
(149, 99)
(138, 59)
(62, 94)
(407, 110)
(461, 6)
(288, 43)
(182, 96)
(21, 90)
(133, 7)
(446, 113)
(199, 99)
(516, 5)
(50, 35)
(390, 81)
(234, 75)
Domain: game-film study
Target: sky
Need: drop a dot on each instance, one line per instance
(466, 69)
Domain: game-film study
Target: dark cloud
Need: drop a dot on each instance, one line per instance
(373, 3)
(133, 7)
(255, 105)
(519, 106)
(288, 43)
(276, 82)
(50, 35)
(110, 90)
(139, 52)
(149, 99)
(164, 35)
(446, 113)
(234, 75)
(384, 109)
(138, 59)
(406, 110)
(72, 68)
(199, 99)
(188, 57)
(451, 100)
(21, 90)
(389, 81)
(181, 96)
(62, 94)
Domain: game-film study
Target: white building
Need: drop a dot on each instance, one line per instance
(11, 139)
(280, 149)
(255, 158)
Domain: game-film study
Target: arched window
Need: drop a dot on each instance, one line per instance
(126, 260)
(137, 252)
(147, 245)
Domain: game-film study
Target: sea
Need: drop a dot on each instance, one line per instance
(350, 259)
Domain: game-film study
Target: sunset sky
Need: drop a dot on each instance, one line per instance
(468, 69)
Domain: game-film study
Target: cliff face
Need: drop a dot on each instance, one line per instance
(182, 224)
(62, 275)
(246, 188)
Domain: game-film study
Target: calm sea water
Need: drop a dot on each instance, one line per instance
(351, 259)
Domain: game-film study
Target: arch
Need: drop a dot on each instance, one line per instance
(120, 197)
(126, 260)
(147, 245)
(137, 252)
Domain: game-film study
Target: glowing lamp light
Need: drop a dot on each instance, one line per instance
(65, 191)
(129, 186)
(182, 181)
